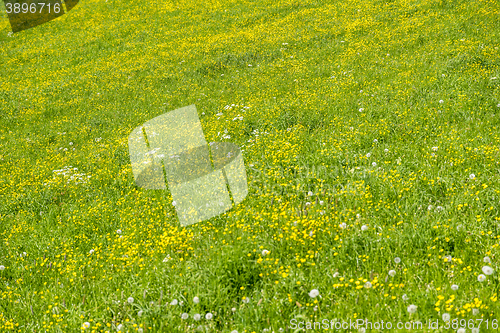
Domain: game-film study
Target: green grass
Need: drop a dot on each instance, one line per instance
(424, 74)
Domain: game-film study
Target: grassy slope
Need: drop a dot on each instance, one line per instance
(108, 66)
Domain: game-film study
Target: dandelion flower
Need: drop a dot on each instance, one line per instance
(343, 226)
(481, 277)
(412, 308)
(392, 272)
(386, 150)
(461, 330)
(361, 109)
(2, 267)
(118, 232)
(91, 251)
(265, 253)
(309, 193)
(139, 313)
(374, 164)
(119, 327)
(130, 300)
(314, 293)
(234, 331)
(446, 317)
(454, 287)
(85, 325)
(368, 285)
(475, 330)
(196, 300)
(404, 297)
(435, 148)
(368, 155)
(375, 141)
(209, 316)
(397, 260)
(487, 260)
(441, 101)
(197, 316)
(233, 309)
(472, 176)
(487, 270)
(475, 312)
(246, 300)
(174, 302)
(364, 228)
(184, 316)
(321, 202)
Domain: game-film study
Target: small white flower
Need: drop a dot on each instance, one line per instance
(447, 258)
(441, 101)
(336, 274)
(197, 316)
(362, 330)
(475, 330)
(139, 330)
(91, 251)
(487, 260)
(308, 203)
(472, 176)
(246, 300)
(130, 300)
(321, 202)
(139, 313)
(439, 208)
(404, 297)
(174, 203)
(475, 312)
(454, 287)
(309, 193)
(374, 164)
(118, 231)
(233, 309)
(392, 272)
(368, 285)
(368, 155)
(446, 316)
(343, 226)
(481, 277)
(498, 105)
(196, 300)
(434, 148)
(184, 316)
(375, 140)
(234, 331)
(412, 308)
(85, 325)
(430, 207)
(2, 267)
(71, 143)
(461, 330)
(174, 302)
(386, 150)
(361, 109)
(364, 227)
(314, 293)
(487, 270)
(209, 316)
(119, 327)
(265, 253)
(397, 260)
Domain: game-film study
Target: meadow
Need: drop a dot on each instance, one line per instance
(369, 131)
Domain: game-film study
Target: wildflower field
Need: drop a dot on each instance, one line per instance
(370, 135)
